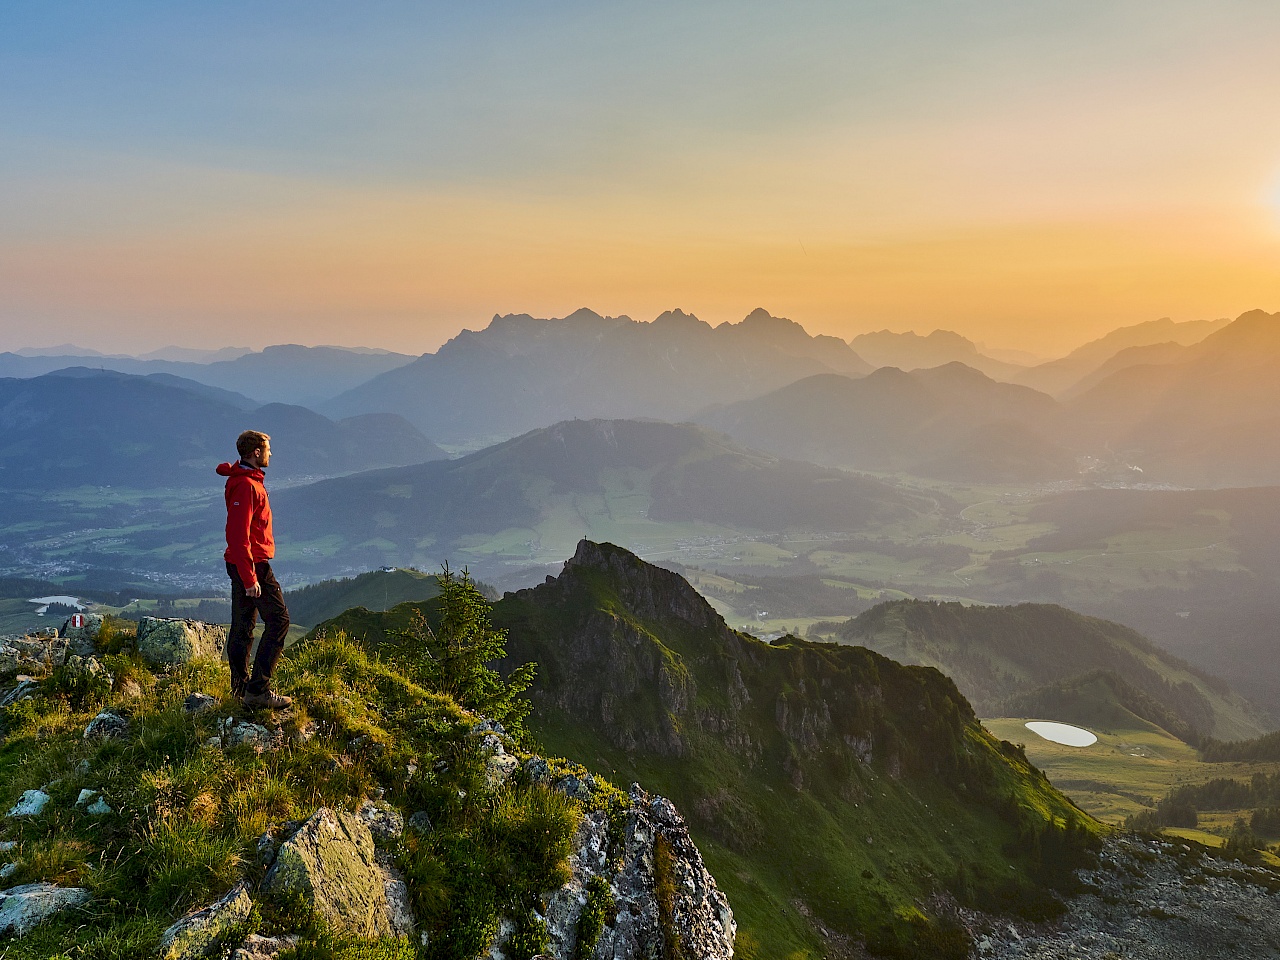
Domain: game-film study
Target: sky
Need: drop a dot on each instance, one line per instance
(386, 174)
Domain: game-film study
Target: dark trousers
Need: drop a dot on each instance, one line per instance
(244, 616)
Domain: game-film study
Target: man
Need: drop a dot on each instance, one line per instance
(254, 589)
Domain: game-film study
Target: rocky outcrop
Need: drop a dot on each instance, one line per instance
(664, 901)
(24, 908)
(202, 933)
(1148, 900)
(162, 641)
(38, 654)
(82, 638)
(331, 863)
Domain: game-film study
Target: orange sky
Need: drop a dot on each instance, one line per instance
(1031, 179)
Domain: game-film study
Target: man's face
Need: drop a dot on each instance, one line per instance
(263, 454)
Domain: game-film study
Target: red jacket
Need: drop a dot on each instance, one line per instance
(249, 537)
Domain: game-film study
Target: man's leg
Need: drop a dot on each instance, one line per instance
(244, 616)
(275, 617)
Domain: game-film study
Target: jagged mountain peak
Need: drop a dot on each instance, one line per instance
(649, 592)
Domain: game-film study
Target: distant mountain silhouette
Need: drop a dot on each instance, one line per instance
(950, 422)
(520, 373)
(285, 373)
(91, 427)
(632, 471)
(1210, 419)
(910, 351)
(1060, 375)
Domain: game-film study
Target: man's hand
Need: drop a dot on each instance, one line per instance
(254, 591)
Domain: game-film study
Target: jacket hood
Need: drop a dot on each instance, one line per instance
(238, 470)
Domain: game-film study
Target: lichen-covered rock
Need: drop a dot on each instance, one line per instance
(81, 638)
(257, 947)
(106, 726)
(30, 804)
(331, 863)
(168, 641)
(201, 933)
(384, 821)
(93, 803)
(32, 654)
(686, 906)
(498, 769)
(234, 733)
(23, 908)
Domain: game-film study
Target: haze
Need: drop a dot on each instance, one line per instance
(1031, 176)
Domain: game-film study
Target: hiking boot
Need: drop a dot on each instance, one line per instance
(266, 701)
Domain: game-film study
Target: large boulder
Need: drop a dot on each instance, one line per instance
(331, 863)
(23, 908)
(82, 637)
(165, 641)
(201, 933)
(36, 654)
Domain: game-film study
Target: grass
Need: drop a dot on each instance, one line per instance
(187, 815)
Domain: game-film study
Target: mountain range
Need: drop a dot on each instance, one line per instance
(910, 351)
(561, 482)
(951, 422)
(81, 427)
(521, 373)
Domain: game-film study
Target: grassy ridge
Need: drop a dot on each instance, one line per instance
(829, 788)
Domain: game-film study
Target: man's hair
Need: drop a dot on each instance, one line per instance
(250, 441)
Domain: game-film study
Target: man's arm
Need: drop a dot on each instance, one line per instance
(239, 518)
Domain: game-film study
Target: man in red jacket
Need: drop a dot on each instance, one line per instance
(254, 589)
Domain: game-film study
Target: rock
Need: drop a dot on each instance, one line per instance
(537, 770)
(99, 808)
(8, 870)
(399, 911)
(237, 732)
(81, 639)
(266, 850)
(331, 863)
(256, 947)
(655, 839)
(23, 908)
(85, 796)
(572, 787)
(129, 689)
(32, 654)
(106, 726)
(26, 687)
(384, 821)
(498, 769)
(198, 703)
(420, 823)
(88, 670)
(8, 846)
(179, 641)
(30, 804)
(200, 934)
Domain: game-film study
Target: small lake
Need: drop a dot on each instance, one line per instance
(1063, 733)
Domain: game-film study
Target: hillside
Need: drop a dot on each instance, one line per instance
(910, 351)
(1207, 420)
(950, 422)
(1097, 700)
(521, 373)
(633, 480)
(375, 590)
(996, 654)
(396, 812)
(93, 427)
(1059, 375)
(284, 373)
(832, 790)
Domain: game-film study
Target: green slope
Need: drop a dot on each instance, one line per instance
(831, 790)
(995, 653)
(375, 590)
